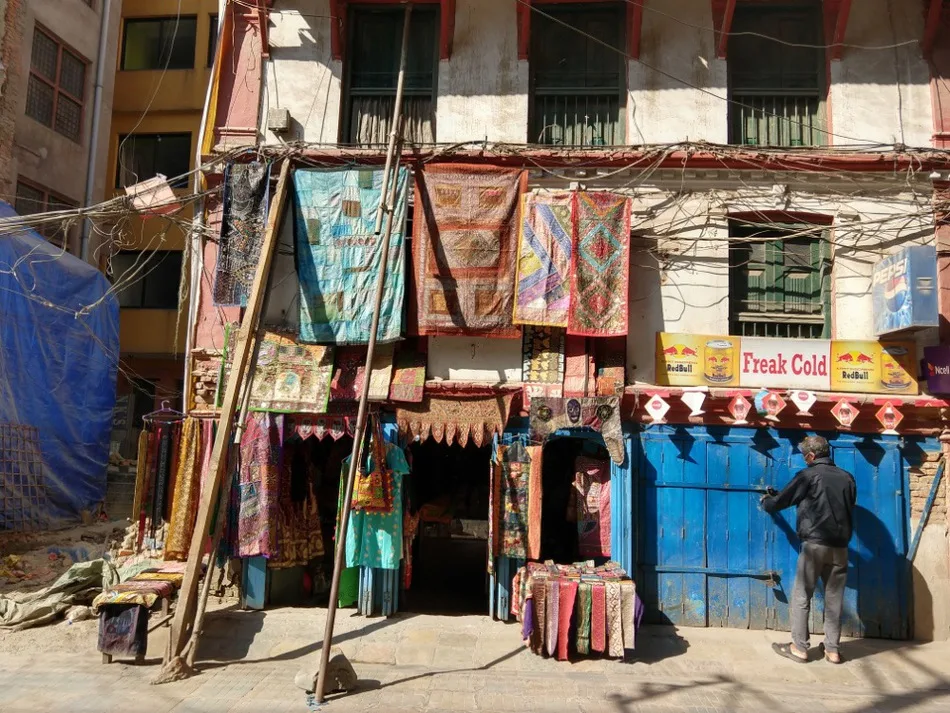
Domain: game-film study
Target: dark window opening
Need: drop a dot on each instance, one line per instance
(147, 280)
(143, 156)
(32, 199)
(212, 40)
(159, 43)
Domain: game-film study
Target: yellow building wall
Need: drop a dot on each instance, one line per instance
(148, 102)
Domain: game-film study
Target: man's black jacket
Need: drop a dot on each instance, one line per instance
(825, 496)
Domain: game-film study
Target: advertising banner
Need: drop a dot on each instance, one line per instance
(904, 290)
(937, 368)
(810, 364)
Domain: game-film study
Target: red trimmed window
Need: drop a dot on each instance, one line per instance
(57, 86)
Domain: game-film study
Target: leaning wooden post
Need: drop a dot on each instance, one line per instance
(184, 613)
(386, 205)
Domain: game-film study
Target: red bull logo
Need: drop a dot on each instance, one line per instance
(846, 357)
(689, 352)
(864, 359)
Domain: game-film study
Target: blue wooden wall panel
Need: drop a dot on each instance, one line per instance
(702, 537)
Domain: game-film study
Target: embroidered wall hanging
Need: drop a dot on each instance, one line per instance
(601, 414)
(451, 418)
(242, 232)
(543, 294)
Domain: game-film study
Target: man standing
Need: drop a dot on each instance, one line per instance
(825, 496)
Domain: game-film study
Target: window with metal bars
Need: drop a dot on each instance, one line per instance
(373, 56)
(776, 89)
(57, 85)
(32, 199)
(578, 86)
(779, 281)
(159, 43)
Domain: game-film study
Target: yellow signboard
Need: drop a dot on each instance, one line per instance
(873, 367)
(696, 360)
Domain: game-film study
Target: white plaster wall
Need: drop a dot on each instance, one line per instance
(678, 57)
(483, 89)
(474, 359)
(882, 95)
(301, 75)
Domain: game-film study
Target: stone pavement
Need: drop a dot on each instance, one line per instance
(429, 663)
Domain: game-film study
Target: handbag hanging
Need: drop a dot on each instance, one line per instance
(374, 488)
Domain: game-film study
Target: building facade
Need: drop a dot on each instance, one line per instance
(771, 155)
(50, 52)
(163, 66)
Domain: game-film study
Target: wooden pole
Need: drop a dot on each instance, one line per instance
(387, 201)
(185, 610)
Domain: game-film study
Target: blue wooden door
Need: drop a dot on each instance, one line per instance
(709, 556)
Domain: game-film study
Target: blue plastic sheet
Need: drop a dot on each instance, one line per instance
(59, 349)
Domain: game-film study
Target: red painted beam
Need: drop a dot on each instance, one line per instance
(524, 28)
(931, 27)
(337, 28)
(447, 29)
(841, 26)
(634, 27)
(725, 26)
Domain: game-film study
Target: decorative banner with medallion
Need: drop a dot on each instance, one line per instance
(785, 364)
(601, 414)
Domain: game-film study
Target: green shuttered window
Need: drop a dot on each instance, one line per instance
(776, 88)
(779, 286)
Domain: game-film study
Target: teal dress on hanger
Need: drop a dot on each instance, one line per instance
(375, 539)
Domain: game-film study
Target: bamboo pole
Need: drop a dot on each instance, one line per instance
(185, 610)
(387, 200)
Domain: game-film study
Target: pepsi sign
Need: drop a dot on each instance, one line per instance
(904, 290)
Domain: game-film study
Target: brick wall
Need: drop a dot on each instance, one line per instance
(921, 480)
(14, 15)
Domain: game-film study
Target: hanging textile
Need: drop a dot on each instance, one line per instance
(576, 367)
(349, 370)
(542, 350)
(410, 529)
(375, 539)
(628, 595)
(261, 451)
(599, 414)
(141, 474)
(601, 276)
(610, 356)
(242, 232)
(319, 425)
(339, 255)
(349, 591)
(291, 377)
(460, 418)
(583, 618)
(598, 618)
(409, 376)
(381, 373)
(516, 471)
(552, 593)
(614, 620)
(535, 500)
(566, 598)
(465, 249)
(538, 587)
(543, 295)
(373, 488)
(495, 506)
(299, 537)
(590, 505)
(185, 499)
(163, 474)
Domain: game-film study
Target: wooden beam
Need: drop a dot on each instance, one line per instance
(725, 26)
(837, 25)
(447, 28)
(185, 611)
(931, 27)
(337, 28)
(524, 28)
(634, 27)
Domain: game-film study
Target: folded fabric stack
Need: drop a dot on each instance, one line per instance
(144, 589)
(595, 608)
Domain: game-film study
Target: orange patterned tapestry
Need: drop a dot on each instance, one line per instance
(455, 418)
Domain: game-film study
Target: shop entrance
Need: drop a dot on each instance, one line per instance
(449, 493)
(575, 506)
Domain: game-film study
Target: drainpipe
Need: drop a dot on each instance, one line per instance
(96, 120)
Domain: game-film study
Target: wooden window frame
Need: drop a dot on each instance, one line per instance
(212, 39)
(159, 19)
(55, 86)
(347, 99)
(45, 208)
(144, 277)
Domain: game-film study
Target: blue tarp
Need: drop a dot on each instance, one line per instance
(59, 349)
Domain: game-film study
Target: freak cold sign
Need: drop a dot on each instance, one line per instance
(785, 363)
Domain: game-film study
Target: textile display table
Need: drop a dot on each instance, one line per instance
(124, 611)
(577, 607)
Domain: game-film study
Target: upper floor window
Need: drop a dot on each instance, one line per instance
(159, 43)
(578, 86)
(32, 199)
(57, 86)
(212, 40)
(779, 281)
(143, 156)
(776, 75)
(373, 68)
(148, 279)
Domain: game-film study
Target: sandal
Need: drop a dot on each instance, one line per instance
(826, 656)
(785, 651)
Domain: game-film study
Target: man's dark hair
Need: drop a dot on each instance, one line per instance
(816, 445)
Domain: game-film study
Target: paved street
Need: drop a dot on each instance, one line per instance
(427, 663)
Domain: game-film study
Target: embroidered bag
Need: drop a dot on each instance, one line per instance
(373, 491)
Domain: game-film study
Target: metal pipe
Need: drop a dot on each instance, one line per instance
(96, 120)
(387, 200)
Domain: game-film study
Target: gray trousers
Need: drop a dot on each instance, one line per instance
(831, 565)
